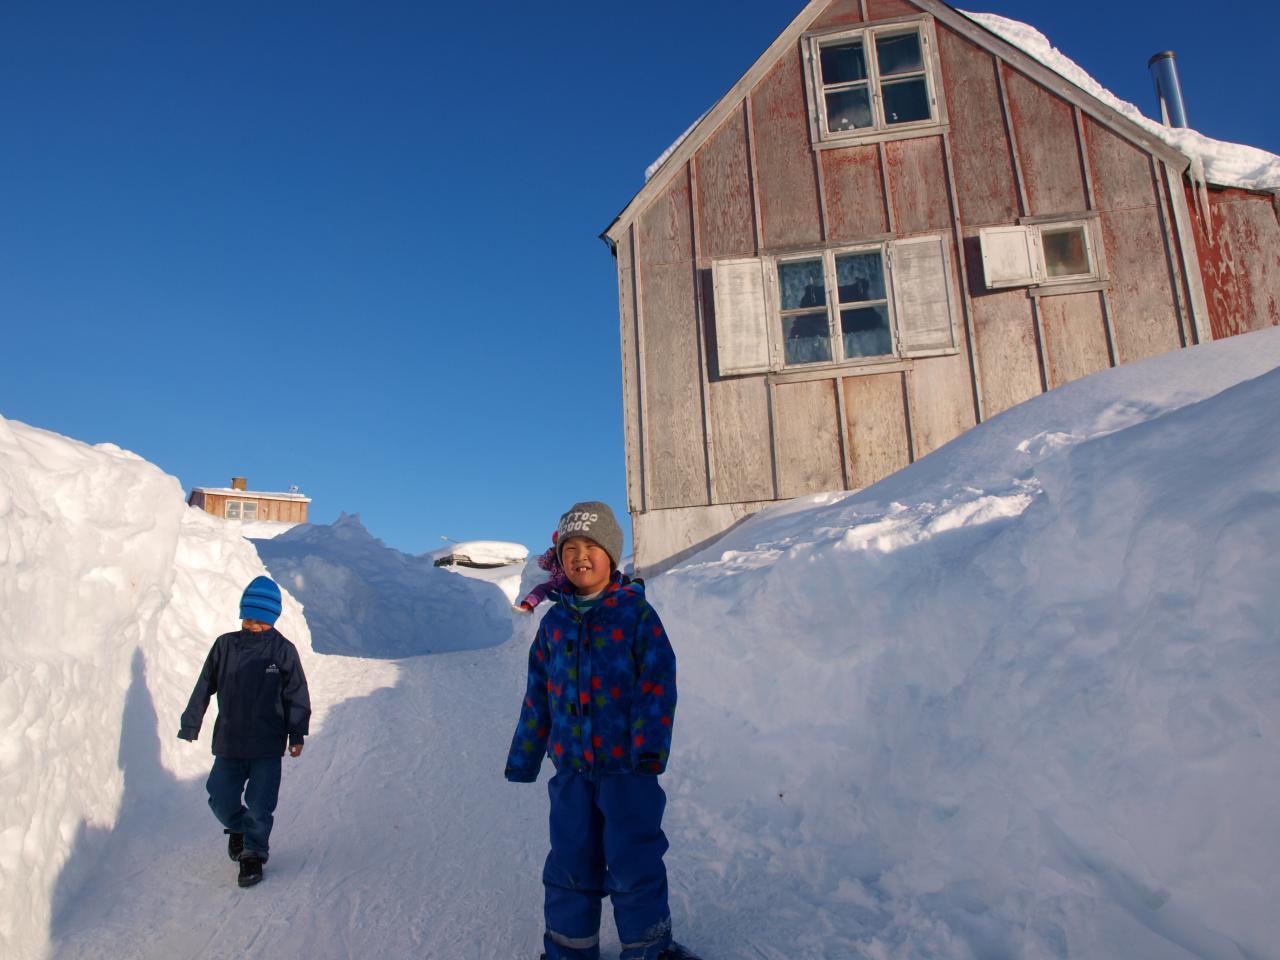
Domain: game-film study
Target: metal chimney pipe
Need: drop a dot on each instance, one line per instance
(1164, 71)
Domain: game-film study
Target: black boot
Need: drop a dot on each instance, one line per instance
(235, 844)
(250, 870)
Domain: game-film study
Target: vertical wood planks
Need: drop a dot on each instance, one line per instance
(808, 438)
(1005, 337)
(883, 9)
(632, 425)
(674, 439)
(726, 220)
(983, 163)
(940, 395)
(854, 193)
(1241, 266)
(1047, 147)
(918, 185)
(876, 423)
(1075, 335)
(741, 446)
(1144, 314)
(788, 184)
(838, 13)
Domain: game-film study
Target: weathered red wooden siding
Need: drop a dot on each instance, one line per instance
(631, 425)
(1004, 335)
(980, 146)
(675, 441)
(918, 185)
(837, 14)
(1048, 151)
(1075, 337)
(788, 182)
(726, 219)
(1239, 259)
(1144, 312)
(854, 193)
(883, 9)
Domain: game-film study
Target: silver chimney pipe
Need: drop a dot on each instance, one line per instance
(1164, 71)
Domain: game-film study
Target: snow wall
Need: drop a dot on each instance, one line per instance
(1019, 700)
(111, 593)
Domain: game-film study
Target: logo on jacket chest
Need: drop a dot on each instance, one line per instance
(273, 669)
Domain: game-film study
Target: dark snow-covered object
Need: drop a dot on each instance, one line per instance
(362, 598)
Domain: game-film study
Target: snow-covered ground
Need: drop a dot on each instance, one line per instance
(1021, 699)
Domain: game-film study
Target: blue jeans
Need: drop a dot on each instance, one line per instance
(254, 817)
(606, 838)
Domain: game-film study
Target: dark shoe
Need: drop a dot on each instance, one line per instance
(235, 844)
(250, 870)
(676, 952)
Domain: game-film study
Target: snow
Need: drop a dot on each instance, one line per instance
(496, 552)
(1020, 699)
(1225, 164)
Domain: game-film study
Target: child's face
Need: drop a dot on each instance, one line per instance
(586, 564)
(254, 626)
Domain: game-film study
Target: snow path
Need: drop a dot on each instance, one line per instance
(372, 845)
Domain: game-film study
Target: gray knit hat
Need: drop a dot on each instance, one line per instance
(595, 521)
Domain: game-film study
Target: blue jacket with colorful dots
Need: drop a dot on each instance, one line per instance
(601, 694)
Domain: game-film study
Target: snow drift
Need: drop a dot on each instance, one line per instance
(363, 599)
(1019, 700)
(110, 588)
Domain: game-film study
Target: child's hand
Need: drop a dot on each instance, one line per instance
(295, 749)
(522, 607)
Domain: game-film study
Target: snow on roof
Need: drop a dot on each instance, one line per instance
(232, 492)
(1212, 161)
(485, 551)
(1225, 164)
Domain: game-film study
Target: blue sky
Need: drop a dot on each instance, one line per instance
(354, 246)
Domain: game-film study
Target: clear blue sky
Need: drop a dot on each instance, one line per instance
(354, 246)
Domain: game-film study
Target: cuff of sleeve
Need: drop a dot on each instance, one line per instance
(295, 739)
(650, 763)
(516, 775)
(188, 734)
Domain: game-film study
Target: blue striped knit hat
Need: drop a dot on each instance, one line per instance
(261, 601)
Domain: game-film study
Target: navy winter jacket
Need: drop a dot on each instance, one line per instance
(262, 695)
(601, 693)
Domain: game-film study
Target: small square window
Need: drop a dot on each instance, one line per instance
(1039, 254)
(232, 510)
(1066, 251)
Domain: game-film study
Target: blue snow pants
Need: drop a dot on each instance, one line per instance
(259, 780)
(606, 838)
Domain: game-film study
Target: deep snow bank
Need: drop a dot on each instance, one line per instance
(110, 586)
(1019, 700)
(364, 599)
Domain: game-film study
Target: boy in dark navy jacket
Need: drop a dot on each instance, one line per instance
(262, 701)
(600, 699)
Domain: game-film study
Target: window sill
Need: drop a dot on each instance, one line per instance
(831, 371)
(882, 136)
(1061, 289)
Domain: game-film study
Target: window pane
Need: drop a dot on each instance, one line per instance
(250, 511)
(900, 54)
(866, 331)
(800, 284)
(905, 101)
(806, 338)
(1064, 252)
(843, 63)
(232, 510)
(849, 109)
(860, 276)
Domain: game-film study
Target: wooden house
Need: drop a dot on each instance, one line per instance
(237, 502)
(896, 225)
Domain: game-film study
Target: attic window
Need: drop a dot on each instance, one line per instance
(870, 82)
(850, 305)
(1040, 254)
(241, 510)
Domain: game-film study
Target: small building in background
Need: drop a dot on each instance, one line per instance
(238, 502)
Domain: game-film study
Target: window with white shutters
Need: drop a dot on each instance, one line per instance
(1040, 254)
(867, 303)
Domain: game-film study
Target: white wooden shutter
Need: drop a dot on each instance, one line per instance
(742, 315)
(922, 296)
(1009, 257)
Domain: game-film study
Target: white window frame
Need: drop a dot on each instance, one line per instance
(1013, 255)
(241, 508)
(880, 129)
(749, 316)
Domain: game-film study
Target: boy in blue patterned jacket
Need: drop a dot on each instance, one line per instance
(600, 699)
